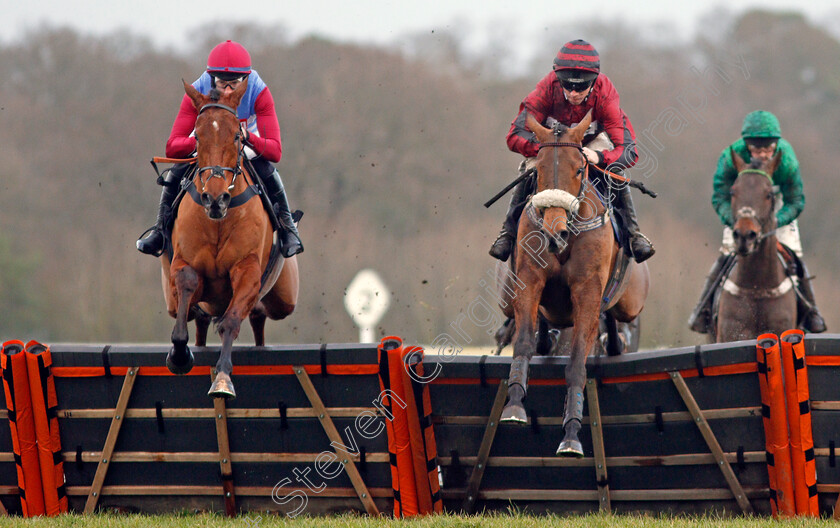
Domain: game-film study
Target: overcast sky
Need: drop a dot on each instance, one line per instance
(167, 22)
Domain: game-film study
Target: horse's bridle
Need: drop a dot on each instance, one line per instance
(218, 171)
(750, 213)
(584, 169)
(762, 293)
(586, 225)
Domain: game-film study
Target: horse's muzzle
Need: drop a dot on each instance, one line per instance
(216, 208)
(746, 240)
(558, 242)
(556, 229)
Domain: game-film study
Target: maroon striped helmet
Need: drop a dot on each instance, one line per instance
(577, 59)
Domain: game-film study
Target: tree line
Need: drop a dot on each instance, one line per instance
(391, 153)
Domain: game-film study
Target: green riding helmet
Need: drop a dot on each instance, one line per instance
(761, 124)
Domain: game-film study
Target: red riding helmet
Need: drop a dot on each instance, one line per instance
(229, 57)
(578, 59)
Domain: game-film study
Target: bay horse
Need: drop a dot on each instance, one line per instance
(758, 296)
(221, 245)
(564, 278)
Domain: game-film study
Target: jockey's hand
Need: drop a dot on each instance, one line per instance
(590, 154)
(243, 131)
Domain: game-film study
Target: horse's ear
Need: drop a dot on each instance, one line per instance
(237, 94)
(195, 95)
(738, 161)
(544, 135)
(774, 163)
(578, 132)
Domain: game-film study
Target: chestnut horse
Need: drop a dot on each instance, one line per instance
(758, 296)
(221, 246)
(564, 278)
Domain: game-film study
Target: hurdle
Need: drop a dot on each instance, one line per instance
(676, 430)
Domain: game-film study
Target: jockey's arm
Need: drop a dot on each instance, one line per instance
(793, 200)
(617, 126)
(267, 143)
(723, 179)
(180, 143)
(789, 180)
(538, 103)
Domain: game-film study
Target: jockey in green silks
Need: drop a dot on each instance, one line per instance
(761, 137)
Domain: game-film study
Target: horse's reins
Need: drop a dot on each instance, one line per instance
(632, 183)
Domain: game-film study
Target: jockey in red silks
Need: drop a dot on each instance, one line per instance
(575, 86)
(229, 64)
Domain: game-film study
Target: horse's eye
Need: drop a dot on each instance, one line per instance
(770, 195)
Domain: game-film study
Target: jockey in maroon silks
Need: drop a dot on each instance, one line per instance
(229, 64)
(575, 86)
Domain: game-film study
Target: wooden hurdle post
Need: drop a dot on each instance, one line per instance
(329, 427)
(110, 440)
(225, 465)
(484, 450)
(596, 426)
(711, 441)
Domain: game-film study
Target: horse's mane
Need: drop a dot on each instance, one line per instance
(214, 95)
(756, 163)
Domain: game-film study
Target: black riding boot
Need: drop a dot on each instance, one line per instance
(806, 305)
(701, 318)
(290, 243)
(640, 247)
(503, 245)
(153, 240)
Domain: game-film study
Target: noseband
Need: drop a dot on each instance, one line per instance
(218, 171)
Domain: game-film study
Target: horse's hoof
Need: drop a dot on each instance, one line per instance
(176, 368)
(570, 448)
(222, 387)
(514, 414)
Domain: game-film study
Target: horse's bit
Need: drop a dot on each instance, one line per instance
(217, 171)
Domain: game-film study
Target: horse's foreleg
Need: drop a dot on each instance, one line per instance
(202, 323)
(245, 282)
(586, 322)
(186, 283)
(527, 307)
(257, 319)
